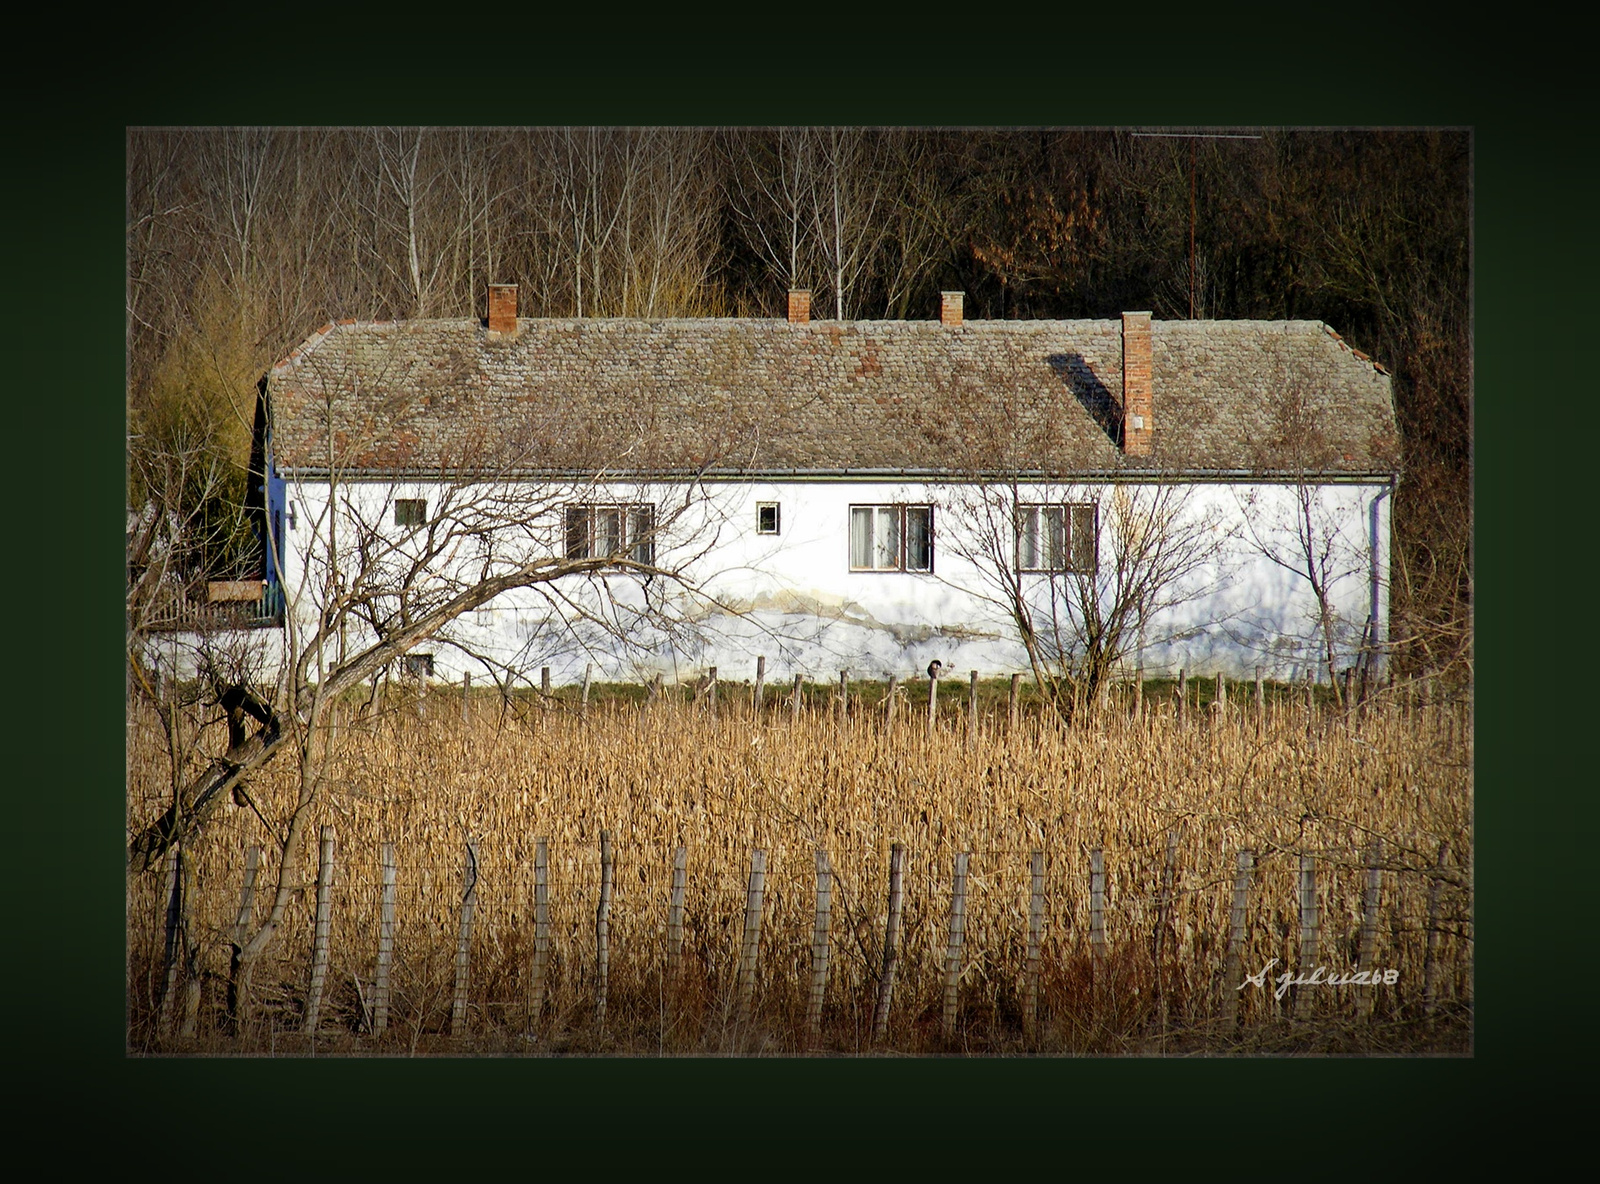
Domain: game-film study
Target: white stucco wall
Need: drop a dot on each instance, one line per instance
(799, 604)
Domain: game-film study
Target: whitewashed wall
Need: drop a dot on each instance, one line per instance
(800, 605)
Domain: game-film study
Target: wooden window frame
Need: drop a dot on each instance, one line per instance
(901, 512)
(1069, 562)
(634, 520)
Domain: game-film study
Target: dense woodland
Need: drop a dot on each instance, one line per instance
(240, 242)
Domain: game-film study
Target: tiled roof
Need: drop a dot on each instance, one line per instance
(769, 397)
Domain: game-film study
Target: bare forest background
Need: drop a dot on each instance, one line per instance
(242, 241)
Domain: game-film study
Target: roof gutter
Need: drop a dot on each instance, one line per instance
(944, 476)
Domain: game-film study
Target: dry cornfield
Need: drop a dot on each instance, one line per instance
(1168, 799)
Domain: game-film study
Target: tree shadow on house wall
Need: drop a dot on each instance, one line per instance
(1103, 407)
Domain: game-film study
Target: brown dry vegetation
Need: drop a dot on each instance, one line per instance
(660, 776)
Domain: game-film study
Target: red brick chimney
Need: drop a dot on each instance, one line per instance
(950, 307)
(503, 308)
(799, 306)
(1138, 386)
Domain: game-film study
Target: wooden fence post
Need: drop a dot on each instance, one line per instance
(844, 695)
(1097, 907)
(952, 954)
(319, 943)
(469, 906)
(1430, 952)
(972, 712)
(602, 933)
(1310, 933)
(541, 928)
(891, 942)
(380, 982)
(711, 692)
(466, 696)
(588, 676)
(1030, 991)
(1232, 970)
(1183, 692)
(888, 701)
(794, 701)
(544, 684)
(172, 943)
(1367, 951)
(751, 950)
(761, 680)
(1261, 698)
(819, 947)
(238, 987)
(933, 697)
(1014, 704)
(1169, 870)
(680, 880)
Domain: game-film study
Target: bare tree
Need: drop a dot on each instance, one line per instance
(593, 551)
(1302, 523)
(1086, 575)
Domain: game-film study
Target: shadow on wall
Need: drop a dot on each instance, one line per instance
(1103, 407)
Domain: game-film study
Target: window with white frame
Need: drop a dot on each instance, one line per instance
(891, 538)
(1057, 538)
(766, 517)
(611, 532)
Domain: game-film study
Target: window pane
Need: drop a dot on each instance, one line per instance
(1055, 530)
(919, 538)
(861, 536)
(608, 532)
(1028, 538)
(1085, 550)
(577, 532)
(886, 539)
(641, 534)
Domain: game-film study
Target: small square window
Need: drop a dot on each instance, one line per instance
(766, 517)
(418, 665)
(410, 511)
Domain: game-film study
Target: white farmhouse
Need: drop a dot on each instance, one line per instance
(865, 495)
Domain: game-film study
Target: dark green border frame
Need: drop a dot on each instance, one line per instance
(67, 818)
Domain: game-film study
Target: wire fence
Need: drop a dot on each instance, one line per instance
(1355, 834)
